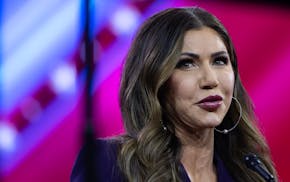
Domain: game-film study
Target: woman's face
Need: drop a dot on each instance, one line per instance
(201, 86)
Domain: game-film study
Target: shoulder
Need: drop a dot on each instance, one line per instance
(107, 148)
(103, 157)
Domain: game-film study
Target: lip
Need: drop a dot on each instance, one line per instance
(210, 103)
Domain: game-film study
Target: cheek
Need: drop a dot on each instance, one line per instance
(182, 86)
(228, 80)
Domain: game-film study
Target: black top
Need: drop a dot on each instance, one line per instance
(107, 166)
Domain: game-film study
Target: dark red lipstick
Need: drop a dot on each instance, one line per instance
(210, 103)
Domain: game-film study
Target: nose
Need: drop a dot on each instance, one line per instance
(208, 79)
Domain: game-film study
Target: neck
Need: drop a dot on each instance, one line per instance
(197, 150)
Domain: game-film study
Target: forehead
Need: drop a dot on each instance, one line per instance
(202, 41)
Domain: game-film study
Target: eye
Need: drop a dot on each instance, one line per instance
(185, 63)
(221, 60)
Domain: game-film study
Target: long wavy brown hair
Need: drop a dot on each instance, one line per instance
(147, 152)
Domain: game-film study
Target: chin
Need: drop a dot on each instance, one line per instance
(212, 123)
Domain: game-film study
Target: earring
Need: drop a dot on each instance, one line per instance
(164, 127)
(226, 131)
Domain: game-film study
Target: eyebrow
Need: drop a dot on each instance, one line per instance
(196, 56)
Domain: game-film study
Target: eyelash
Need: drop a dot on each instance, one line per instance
(185, 63)
(221, 60)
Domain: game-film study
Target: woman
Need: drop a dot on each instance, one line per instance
(186, 113)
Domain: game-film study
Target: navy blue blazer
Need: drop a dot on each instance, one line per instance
(107, 169)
